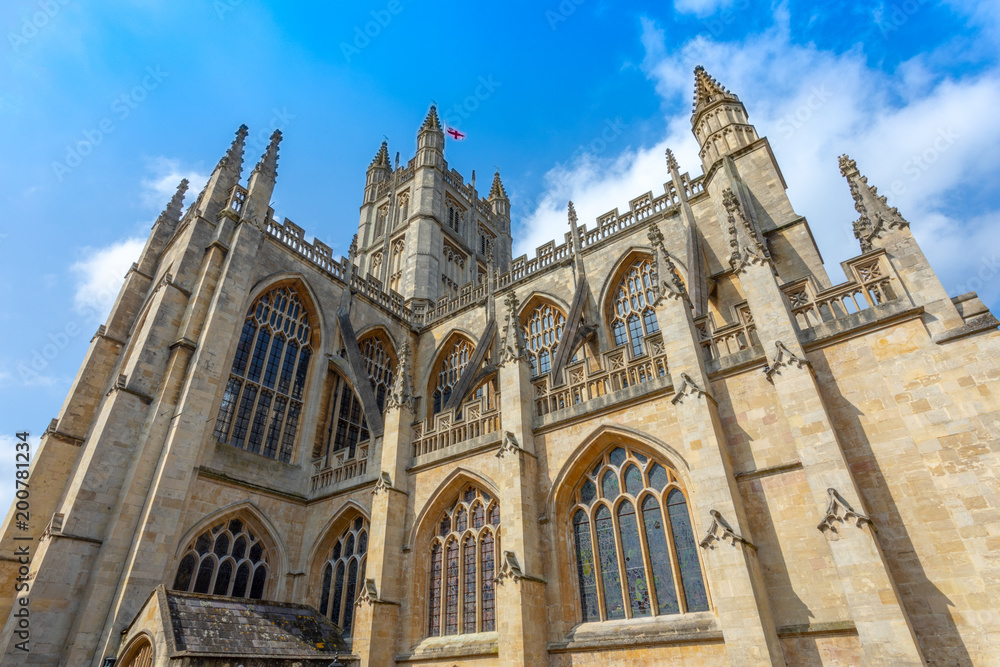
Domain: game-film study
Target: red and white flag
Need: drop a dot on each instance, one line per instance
(455, 134)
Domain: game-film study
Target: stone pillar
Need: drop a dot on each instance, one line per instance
(734, 578)
(876, 608)
(521, 616)
(377, 615)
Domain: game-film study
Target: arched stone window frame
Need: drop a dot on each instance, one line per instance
(463, 556)
(212, 559)
(543, 322)
(343, 572)
(684, 578)
(628, 303)
(140, 652)
(269, 377)
(450, 362)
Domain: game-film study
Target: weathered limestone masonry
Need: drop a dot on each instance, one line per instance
(666, 439)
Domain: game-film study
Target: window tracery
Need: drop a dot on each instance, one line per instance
(228, 559)
(463, 554)
(632, 314)
(263, 399)
(634, 544)
(543, 329)
(348, 426)
(449, 370)
(344, 575)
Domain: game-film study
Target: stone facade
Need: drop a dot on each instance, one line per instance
(665, 439)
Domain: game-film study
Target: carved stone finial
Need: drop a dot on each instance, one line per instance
(571, 215)
(401, 394)
(784, 357)
(497, 190)
(667, 281)
(848, 166)
(508, 446)
(512, 345)
(268, 165)
(721, 531)
(368, 594)
(383, 484)
(381, 160)
(876, 216)
(672, 161)
(689, 388)
(838, 511)
(752, 249)
(509, 569)
(352, 252)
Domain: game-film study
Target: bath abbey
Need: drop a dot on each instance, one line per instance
(667, 438)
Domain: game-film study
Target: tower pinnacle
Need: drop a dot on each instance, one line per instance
(268, 164)
(173, 210)
(719, 120)
(432, 122)
(708, 90)
(497, 191)
(381, 159)
(224, 177)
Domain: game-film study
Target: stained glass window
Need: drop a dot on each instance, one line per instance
(380, 362)
(467, 589)
(634, 575)
(585, 567)
(348, 560)
(687, 552)
(632, 314)
(255, 406)
(215, 555)
(543, 327)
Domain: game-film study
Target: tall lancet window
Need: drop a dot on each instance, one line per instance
(542, 330)
(344, 575)
(228, 559)
(449, 370)
(348, 427)
(463, 558)
(635, 549)
(632, 316)
(263, 399)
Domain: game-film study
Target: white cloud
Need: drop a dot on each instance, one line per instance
(165, 175)
(918, 136)
(100, 274)
(700, 8)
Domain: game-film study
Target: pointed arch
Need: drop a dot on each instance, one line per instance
(450, 361)
(626, 259)
(306, 292)
(337, 564)
(140, 651)
(341, 518)
(537, 298)
(442, 495)
(627, 302)
(543, 322)
(252, 520)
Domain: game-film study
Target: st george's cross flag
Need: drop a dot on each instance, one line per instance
(455, 134)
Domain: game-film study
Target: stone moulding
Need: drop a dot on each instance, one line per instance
(839, 510)
(689, 388)
(383, 484)
(508, 446)
(784, 357)
(721, 531)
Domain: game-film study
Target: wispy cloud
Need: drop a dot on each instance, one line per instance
(99, 276)
(161, 184)
(914, 133)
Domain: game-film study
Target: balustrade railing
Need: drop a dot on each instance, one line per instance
(341, 467)
(871, 282)
(476, 418)
(720, 342)
(618, 371)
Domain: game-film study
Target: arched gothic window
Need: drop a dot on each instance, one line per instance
(263, 398)
(228, 559)
(404, 210)
(542, 330)
(396, 265)
(348, 426)
(635, 549)
(344, 575)
(138, 654)
(462, 595)
(448, 371)
(632, 316)
(380, 219)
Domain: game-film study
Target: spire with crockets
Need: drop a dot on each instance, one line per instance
(876, 214)
(719, 120)
(225, 176)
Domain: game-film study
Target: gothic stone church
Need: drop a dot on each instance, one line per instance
(665, 439)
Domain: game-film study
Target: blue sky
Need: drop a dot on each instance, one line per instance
(104, 106)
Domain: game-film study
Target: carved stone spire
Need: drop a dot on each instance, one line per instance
(877, 216)
(512, 345)
(381, 160)
(225, 176)
(707, 90)
(268, 164)
(672, 161)
(697, 283)
(497, 191)
(261, 184)
(745, 242)
(172, 213)
(233, 159)
(401, 394)
(577, 240)
(432, 122)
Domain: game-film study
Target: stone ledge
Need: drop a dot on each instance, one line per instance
(876, 317)
(835, 628)
(694, 628)
(460, 450)
(607, 403)
(453, 646)
(736, 362)
(977, 324)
